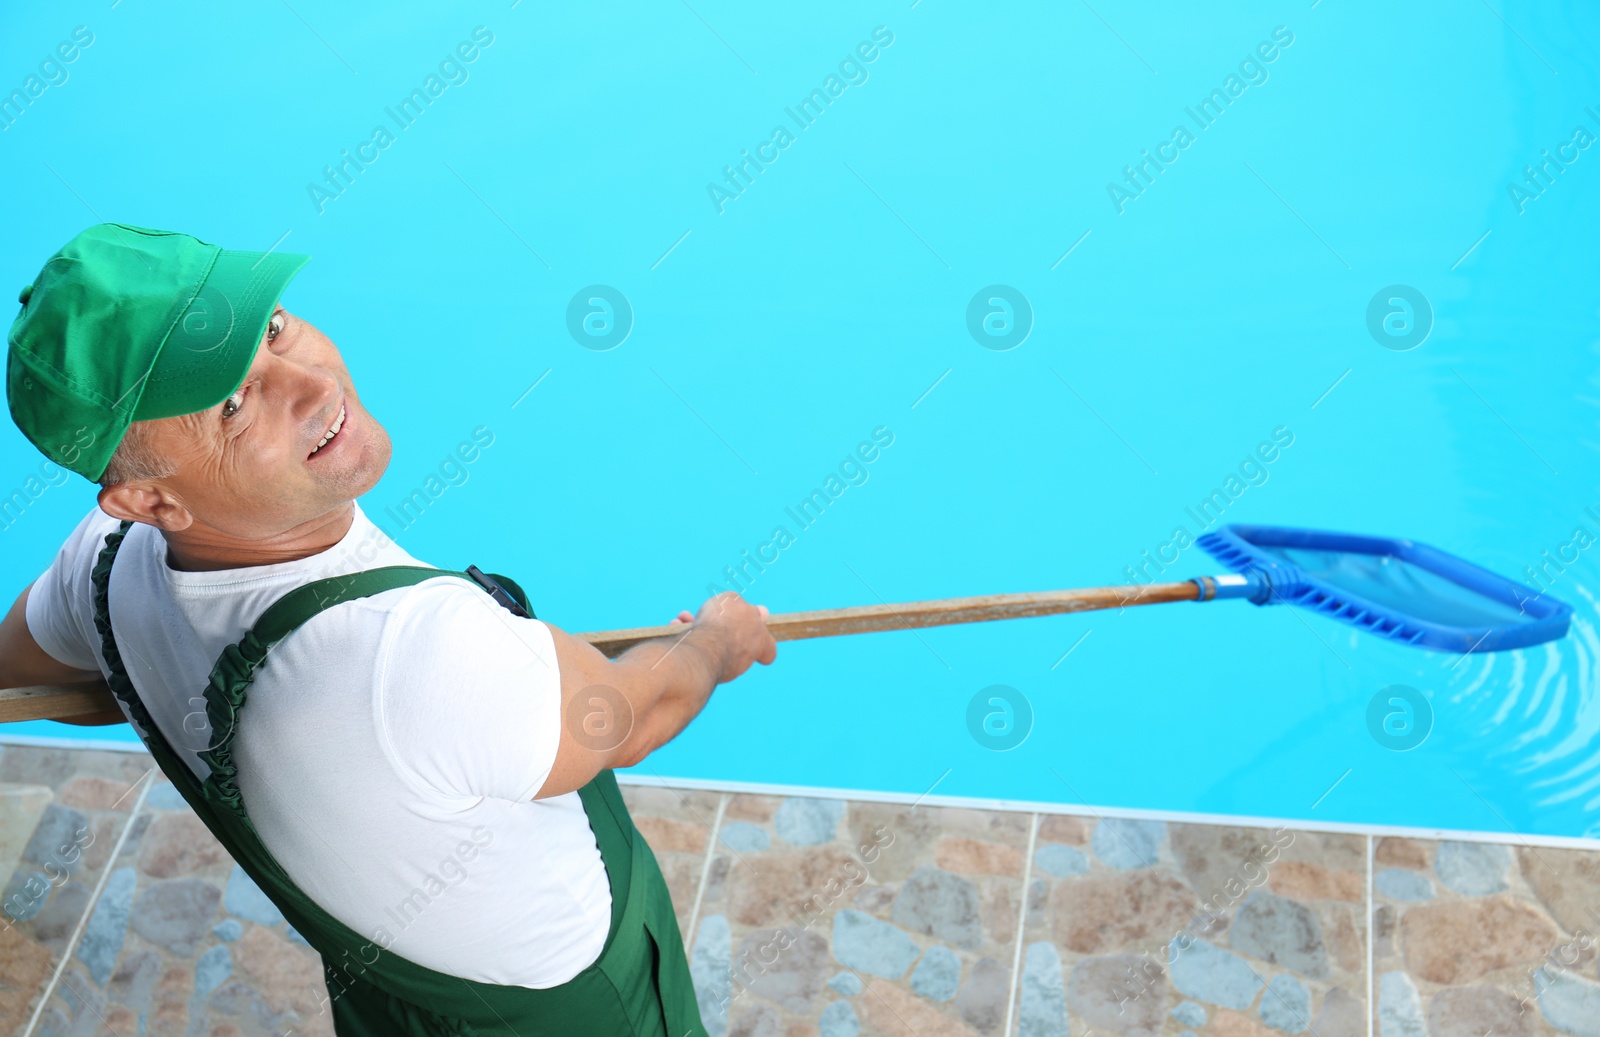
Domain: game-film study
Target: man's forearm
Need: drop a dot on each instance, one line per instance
(615, 712)
(22, 662)
(682, 671)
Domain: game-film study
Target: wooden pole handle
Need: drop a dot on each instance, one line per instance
(864, 619)
(18, 704)
(73, 700)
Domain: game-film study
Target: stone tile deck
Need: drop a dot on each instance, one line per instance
(829, 918)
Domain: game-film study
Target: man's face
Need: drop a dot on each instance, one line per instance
(260, 463)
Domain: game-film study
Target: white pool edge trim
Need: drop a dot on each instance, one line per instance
(51, 742)
(1016, 806)
(1024, 806)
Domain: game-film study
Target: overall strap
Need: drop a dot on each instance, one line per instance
(117, 678)
(236, 667)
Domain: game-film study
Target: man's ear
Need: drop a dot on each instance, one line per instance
(147, 501)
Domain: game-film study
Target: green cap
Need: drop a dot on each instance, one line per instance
(129, 324)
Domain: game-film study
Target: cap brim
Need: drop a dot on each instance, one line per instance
(210, 347)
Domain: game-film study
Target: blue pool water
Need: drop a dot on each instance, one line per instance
(1183, 324)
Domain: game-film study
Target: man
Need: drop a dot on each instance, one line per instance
(419, 777)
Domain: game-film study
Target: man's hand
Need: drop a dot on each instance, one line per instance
(742, 627)
(616, 712)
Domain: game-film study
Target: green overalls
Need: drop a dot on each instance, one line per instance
(638, 987)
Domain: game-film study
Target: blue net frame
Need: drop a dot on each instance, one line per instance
(1397, 589)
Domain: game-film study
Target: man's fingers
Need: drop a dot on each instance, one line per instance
(762, 610)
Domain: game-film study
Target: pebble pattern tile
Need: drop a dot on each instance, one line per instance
(177, 941)
(1506, 942)
(812, 917)
(1203, 929)
(62, 815)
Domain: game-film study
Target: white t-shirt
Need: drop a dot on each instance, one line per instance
(389, 749)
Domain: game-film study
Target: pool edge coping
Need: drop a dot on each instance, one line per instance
(1013, 806)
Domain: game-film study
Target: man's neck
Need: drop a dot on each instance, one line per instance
(206, 549)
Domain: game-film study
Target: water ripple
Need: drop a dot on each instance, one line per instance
(1537, 713)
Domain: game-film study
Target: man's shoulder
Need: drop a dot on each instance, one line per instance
(92, 529)
(442, 604)
(452, 619)
(450, 597)
(83, 545)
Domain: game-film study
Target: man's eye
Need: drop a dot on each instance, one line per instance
(275, 325)
(231, 405)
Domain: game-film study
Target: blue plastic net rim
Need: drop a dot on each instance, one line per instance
(1247, 548)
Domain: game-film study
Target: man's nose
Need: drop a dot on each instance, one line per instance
(310, 391)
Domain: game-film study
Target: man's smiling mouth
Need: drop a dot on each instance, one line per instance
(333, 430)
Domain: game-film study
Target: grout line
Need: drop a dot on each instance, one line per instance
(94, 901)
(1022, 926)
(705, 869)
(1372, 1009)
